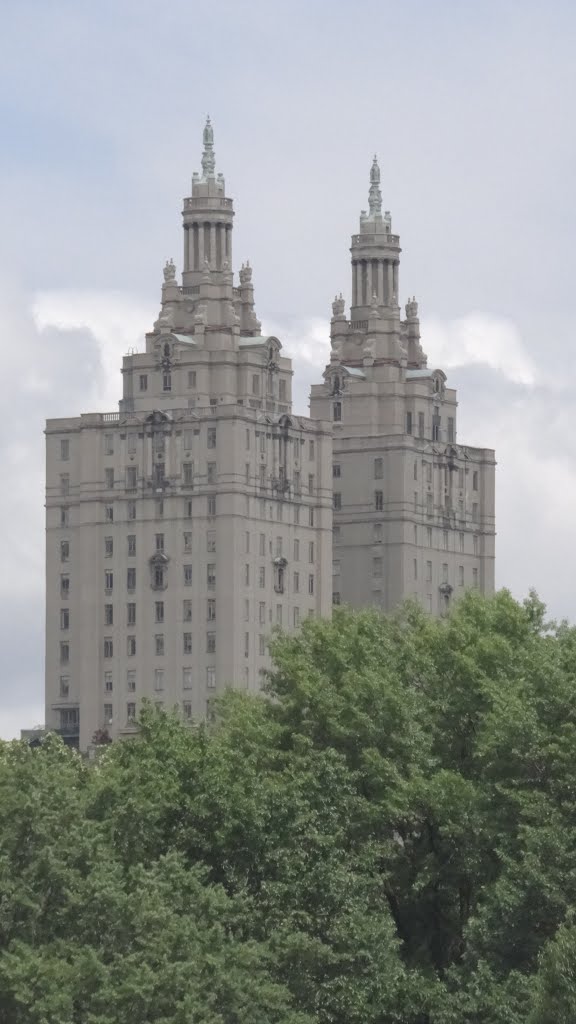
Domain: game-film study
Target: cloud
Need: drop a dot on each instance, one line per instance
(479, 339)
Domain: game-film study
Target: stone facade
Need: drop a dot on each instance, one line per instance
(413, 507)
(183, 527)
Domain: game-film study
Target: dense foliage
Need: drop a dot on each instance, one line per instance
(389, 839)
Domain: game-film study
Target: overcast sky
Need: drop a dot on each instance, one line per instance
(470, 107)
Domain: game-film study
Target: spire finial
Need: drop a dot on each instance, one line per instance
(375, 195)
(208, 158)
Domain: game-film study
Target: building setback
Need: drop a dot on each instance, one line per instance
(413, 508)
(183, 527)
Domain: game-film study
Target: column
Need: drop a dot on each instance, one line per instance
(395, 280)
(353, 282)
(229, 244)
(200, 247)
(186, 248)
(381, 282)
(390, 282)
(371, 280)
(213, 245)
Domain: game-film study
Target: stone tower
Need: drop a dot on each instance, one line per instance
(413, 506)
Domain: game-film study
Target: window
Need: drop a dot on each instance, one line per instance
(131, 579)
(296, 583)
(247, 574)
(476, 544)
(378, 469)
(64, 652)
(337, 411)
(445, 539)
(158, 679)
(336, 501)
(310, 517)
(445, 572)
(262, 576)
(255, 384)
(295, 617)
(108, 547)
(166, 382)
(107, 714)
(297, 482)
(460, 508)
(211, 439)
(130, 713)
(436, 423)
(211, 677)
(65, 686)
(474, 577)
(108, 444)
(187, 542)
(143, 382)
(188, 474)
(336, 470)
(109, 478)
(246, 610)
(461, 477)
(246, 645)
(261, 612)
(212, 505)
(187, 573)
(131, 646)
(429, 536)
(158, 581)
(187, 610)
(211, 576)
(64, 585)
(279, 579)
(311, 450)
(186, 678)
(210, 643)
(108, 582)
(420, 424)
(131, 510)
(336, 599)
(377, 566)
(186, 710)
(282, 390)
(262, 476)
(64, 483)
(191, 378)
(130, 614)
(428, 572)
(159, 611)
(377, 533)
(108, 614)
(296, 550)
(211, 609)
(311, 551)
(188, 509)
(429, 504)
(64, 550)
(131, 478)
(108, 682)
(450, 433)
(211, 473)
(131, 680)
(261, 645)
(187, 440)
(475, 480)
(64, 516)
(262, 545)
(475, 512)
(415, 569)
(408, 422)
(415, 470)
(131, 545)
(246, 542)
(311, 583)
(278, 614)
(159, 472)
(379, 501)
(132, 441)
(336, 566)
(159, 541)
(108, 647)
(64, 449)
(460, 575)
(109, 513)
(461, 542)
(159, 644)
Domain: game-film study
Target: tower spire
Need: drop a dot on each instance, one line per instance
(208, 157)
(375, 195)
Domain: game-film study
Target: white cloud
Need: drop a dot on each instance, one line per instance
(479, 339)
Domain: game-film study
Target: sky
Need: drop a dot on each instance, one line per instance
(469, 107)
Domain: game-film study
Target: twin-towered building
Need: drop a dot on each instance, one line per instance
(184, 527)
